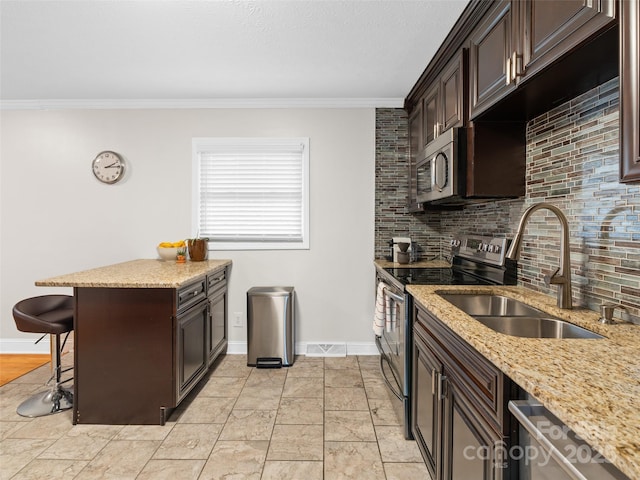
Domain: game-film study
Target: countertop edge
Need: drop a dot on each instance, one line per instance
(119, 275)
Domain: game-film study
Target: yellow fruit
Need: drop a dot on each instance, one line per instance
(178, 244)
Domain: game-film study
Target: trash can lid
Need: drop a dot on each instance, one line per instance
(270, 291)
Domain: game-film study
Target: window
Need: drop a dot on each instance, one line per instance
(252, 193)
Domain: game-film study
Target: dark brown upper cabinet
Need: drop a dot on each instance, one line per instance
(443, 102)
(430, 115)
(452, 94)
(416, 144)
(490, 47)
(629, 91)
(551, 29)
(440, 108)
(519, 38)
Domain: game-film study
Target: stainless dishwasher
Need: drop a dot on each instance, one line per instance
(549, 450)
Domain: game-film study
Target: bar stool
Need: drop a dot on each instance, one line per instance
(53, 315)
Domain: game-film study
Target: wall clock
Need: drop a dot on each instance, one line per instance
(108, 167)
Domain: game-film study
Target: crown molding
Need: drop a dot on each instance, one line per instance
(114, 104)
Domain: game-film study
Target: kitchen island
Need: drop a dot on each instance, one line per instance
(592, 386)
(145, 333)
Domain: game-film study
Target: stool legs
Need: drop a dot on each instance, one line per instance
(55, 400)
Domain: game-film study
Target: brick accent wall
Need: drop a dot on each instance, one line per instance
(572, 162)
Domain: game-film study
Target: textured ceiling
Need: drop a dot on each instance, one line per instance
(202, 50)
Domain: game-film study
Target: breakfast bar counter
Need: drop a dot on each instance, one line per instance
(145, 333)
(143, 273)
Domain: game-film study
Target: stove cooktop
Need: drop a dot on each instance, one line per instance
(433, 276)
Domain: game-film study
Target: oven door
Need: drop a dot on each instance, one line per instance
(391, 344)
(394, 346)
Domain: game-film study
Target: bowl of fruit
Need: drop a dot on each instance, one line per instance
(169, 250)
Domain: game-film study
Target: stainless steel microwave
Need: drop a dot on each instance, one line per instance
(439, 167)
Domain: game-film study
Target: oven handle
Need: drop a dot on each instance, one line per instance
(383, 358)
(395, 297)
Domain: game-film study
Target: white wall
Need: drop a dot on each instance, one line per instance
(56, 218)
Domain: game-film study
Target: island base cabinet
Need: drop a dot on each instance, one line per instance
(123, 356)
(217, 330)
(139, 351)
(191, 349)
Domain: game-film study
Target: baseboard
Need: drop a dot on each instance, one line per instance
(236, 348)
(362, 348)
(353, 348)
(20, 345)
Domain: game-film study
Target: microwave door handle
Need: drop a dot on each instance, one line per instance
(433, 163)
(442, 159)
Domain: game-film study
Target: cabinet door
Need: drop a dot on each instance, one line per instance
(473, 451)
(491, 45)
(630, 91)
(416, 145)
(427, 405)
(452, 94)
(551, 29)
(430, 117)
(218, 324)
(191, 348)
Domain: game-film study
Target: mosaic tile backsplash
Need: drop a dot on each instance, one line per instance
(392, 189)
(573, 163)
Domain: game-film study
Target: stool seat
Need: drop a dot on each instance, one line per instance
(53, 315)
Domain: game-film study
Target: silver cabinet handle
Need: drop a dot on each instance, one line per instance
(433, 381)
(513, 70)
(441, 387)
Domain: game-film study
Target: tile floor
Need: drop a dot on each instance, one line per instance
(322, 418)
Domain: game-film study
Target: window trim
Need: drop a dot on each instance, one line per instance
(201, 143)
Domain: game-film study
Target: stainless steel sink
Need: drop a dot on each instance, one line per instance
(536, 327)
(493, 305)
(513, 317)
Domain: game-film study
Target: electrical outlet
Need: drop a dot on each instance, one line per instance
(237, 322)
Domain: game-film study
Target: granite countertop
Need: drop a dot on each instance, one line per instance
(593, 386)
(143, 273)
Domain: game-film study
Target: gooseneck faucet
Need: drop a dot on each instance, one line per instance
(562, 276)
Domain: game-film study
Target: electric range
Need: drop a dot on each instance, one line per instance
(475, 260)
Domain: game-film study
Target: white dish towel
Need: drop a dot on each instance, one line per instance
(385, 316)
(380, 316)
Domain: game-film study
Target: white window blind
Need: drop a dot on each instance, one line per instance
(252, 192)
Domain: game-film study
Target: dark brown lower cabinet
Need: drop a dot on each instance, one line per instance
(427, 404)
(139, 351)
(472, 449)
(192, 357)
(461, 422)
(217, 330)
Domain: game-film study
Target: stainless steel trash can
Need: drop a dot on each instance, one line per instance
(270, 327)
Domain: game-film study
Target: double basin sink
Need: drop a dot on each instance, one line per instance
(512, 317)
